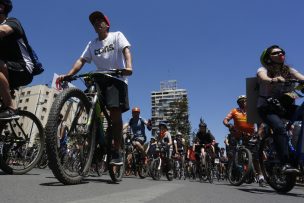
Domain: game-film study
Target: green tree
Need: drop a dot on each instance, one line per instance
(179, 118)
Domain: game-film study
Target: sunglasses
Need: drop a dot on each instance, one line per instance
(277, 53)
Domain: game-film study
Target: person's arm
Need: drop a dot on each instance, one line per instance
(262, 75)
(76, 67)
(128, 59)
(227, 119)
(297, 74)
(148, 148)
(5, 30)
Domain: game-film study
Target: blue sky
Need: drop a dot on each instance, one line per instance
(208, 46)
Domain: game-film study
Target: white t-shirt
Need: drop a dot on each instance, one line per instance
(107, 54)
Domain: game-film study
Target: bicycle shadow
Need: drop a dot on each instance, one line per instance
(269, 191)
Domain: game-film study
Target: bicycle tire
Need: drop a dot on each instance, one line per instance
(70, 169)
(27, 159)
(241, 163)
(281, 183)
(43, 162)
(116, 172)
(155, 172)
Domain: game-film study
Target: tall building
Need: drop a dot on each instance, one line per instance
(161, 100)
(37, 99)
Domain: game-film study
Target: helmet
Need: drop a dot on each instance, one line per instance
(178, 134)
(202, 123)
(265, 56)
(162, 123)
(136, 109)
(8, 5)
(241, 97)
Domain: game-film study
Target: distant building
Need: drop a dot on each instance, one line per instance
(37, 99)
(161, 102)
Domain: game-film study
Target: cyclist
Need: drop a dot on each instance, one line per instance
(179, 147)
(15, 63)
(206, 139)
(273, 71)
(150, 151)
(137, 125)
(110, 50)
(239, 117)
(165, 139)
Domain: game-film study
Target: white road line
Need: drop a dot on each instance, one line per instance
(133, 196)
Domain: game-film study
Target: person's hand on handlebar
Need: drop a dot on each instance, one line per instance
(59, 81)
(277, 79)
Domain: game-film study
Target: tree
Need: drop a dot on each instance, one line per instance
(179, 118)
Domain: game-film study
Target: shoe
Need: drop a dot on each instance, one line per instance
(289, 169)
(9, 114)
(262, 183)
(170, 172)
(116, 159)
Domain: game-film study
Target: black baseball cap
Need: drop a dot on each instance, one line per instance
(97, 14)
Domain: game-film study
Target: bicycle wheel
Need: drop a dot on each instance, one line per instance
(43, 162)
(117, 172)
(156, 169)
(209, 169)
(271, 167)
(70, 163)
(22, 143)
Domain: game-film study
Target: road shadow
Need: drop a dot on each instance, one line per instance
(58, 184)
(269, 191)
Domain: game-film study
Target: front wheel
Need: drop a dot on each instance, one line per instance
(156, 169)
(21, 143)
(70, 158)
(271, 167)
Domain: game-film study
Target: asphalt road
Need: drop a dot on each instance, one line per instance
(39, 185)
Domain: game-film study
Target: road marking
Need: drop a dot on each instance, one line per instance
(133, 196)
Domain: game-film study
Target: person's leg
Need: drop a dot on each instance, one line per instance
(4, 86)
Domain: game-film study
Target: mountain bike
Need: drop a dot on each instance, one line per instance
(269, 157)
(240, 166)
(136, 162)
(21, 142)
(161, 163)
(81, 112)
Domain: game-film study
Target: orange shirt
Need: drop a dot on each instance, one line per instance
(240, 121)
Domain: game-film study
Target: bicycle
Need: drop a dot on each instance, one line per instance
(21, 142)
(268, 155)
(161, 163)
(81, 111)
(240, 166)
(136, 162)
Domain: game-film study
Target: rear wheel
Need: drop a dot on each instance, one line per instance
(70, 162)
(21, 143)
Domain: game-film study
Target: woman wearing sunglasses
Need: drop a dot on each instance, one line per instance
(272, 107)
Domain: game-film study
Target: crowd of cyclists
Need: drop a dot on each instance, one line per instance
(199, 158)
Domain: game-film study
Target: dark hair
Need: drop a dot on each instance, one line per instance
(8, 6)
(266, 61)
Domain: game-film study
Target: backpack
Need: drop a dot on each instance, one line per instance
(38, 67)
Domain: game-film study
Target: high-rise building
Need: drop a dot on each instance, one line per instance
(161, 109)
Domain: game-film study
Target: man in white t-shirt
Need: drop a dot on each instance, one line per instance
(110, 50)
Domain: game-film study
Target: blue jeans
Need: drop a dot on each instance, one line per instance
(278, 126)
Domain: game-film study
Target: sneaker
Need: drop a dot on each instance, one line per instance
(289, 169)
(170, 172)
(116, 159)
(262, 183)
(8, 114)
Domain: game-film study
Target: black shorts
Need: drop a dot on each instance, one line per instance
(114, 92)
(18, 74)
